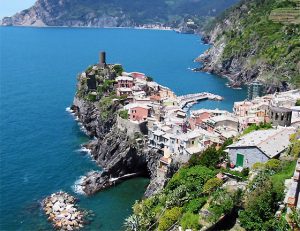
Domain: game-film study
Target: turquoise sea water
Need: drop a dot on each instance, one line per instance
(40, 141)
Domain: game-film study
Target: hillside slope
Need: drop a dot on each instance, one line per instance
(112, 13)
(257, 39)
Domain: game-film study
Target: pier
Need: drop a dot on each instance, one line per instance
(184, 100)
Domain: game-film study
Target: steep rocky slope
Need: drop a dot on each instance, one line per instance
(115, 13)
(118, 153)
(257, 39)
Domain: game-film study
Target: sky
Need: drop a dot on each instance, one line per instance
(10, 7)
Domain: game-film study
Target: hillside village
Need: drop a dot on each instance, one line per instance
(260, 128)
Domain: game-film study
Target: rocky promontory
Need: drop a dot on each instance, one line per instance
(248, 44)
(120, 155)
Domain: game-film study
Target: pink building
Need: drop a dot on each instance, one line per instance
(138, 75)
(124, 82)
(196, 120)
(137, 112)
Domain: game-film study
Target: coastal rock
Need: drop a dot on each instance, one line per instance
(113, 150)
(62, 211)
(244, 57)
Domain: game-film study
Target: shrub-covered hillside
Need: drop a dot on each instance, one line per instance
(100, 13)
(197, 198)
(257, 39)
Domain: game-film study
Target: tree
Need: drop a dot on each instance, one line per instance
(260, 205)
(190, 221)
(149, 79)
(273, 165)
(209, 158)
(132, 223)
(118, 69)
(211, 185)
(169, 218)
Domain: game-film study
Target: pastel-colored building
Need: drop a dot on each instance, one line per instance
(138, 75)
(124, 82)
(124, 91)
(138, 112)
(259, 146)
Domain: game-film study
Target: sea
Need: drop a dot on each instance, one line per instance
(40, 141)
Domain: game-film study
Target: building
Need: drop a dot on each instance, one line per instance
(255, 89)
(124, 82)
(259, 146)
(138, 112)
(280, 116)
(229, 121)
(292, 196)
(124, 91)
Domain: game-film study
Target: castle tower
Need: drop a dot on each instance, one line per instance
(102, 59)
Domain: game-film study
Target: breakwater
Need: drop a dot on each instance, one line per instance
(62, 211)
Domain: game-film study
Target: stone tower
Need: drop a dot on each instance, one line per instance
(102, 59)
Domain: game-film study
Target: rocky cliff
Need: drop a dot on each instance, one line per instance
(119, 155)
(115, 13)
(249, 43)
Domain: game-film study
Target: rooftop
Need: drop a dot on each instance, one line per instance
(271, 142)
(134, 105)
(125, 78)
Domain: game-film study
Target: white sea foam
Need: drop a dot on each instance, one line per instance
(77, 187)
(84, 149)
(68, 109)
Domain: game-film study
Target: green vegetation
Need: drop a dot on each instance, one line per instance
(294, 149)
(257, 39)
(124, 114)
(195, 188)
(222, 202)
(295, 218)
(170, 12)
(106, 106)
(263, 194)
(92, 96)
(298, 102)
(254, 127)
(149, 79)
(190, 221)
(169, 218)
(209, 158)
(211, 185)
(105, 87)
(118, 69)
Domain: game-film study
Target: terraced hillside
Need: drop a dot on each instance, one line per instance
(287, 15)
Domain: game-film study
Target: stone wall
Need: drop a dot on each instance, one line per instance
(132, 127)
(251, 156)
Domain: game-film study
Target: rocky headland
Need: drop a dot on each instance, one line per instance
(143, 14)
(119, 154)
(249, 43)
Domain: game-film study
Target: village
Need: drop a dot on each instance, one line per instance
(156, 117)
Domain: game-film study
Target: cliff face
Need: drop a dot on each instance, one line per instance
(249, 44)
(115, 13)
(118, 153)
(58, 13)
